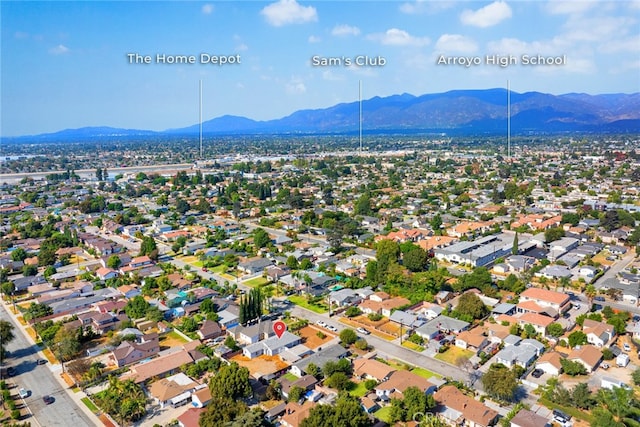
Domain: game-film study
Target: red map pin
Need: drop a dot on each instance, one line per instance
(279, 327)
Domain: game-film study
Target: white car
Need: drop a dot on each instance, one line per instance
(363, 331)
(332, 328)
(23, 393)
(626, 347)
(321, 324)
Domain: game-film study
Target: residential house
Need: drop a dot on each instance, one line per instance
(272, 346)
(539, 322)
(550, 363)
(320, 358)
(526, 418)
(201, 397)
(391, 304)
(599, 334)
(399, 381)
(471, 340)
(158, 367)
(129, 352)
(456, 408)
(294, 413)
(441, 324)
(522, 354)
(254, 265)
(190, 418)
(173, 391)
(589, 355)
(209, 330)
(364, 368)
(559, 301)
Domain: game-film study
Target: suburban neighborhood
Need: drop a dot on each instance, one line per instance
(408, 288)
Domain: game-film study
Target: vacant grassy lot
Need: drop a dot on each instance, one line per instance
(453, 354)
(257, 282)
(302, 302)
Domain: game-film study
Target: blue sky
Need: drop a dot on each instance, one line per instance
(65, 65)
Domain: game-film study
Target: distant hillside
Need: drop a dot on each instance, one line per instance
(458, 111)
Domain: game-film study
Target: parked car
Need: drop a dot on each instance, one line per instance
(332, 328)
(321, 324)
(605, 366)
(48, 400)
(23, 393)
(41, 361)
(626, 347)
(363, 331)
(537, 373)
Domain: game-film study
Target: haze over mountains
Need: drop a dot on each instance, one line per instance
(455, 112)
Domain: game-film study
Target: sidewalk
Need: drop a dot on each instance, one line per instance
(56, 370)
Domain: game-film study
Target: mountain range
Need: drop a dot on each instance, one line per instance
(454, 112)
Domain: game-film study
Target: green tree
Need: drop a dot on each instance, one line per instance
(347, 412)
(232, 381)
(6, 332)
(387, 253)
(555, 329)
(415, 259)
(114, 262)
(296, 393)
(577, 338)
(470, 304)
(339, 381)
(148, 247)
(66, 344)
(363, 205)
(553, 234)
(635, 376)
(137, 307)
(221, 411)
(348, 336)
(436, 224)
(261, 238)
(573, 368)
(19, 254)
(582, 397)
(500, 382)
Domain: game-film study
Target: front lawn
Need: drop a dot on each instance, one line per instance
(425, 373)
(302, 302)
(89, 404)
(412, 346)
(453, 354)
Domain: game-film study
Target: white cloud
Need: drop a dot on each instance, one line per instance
(59, 50)
(207, 9)
(397, 37)
(624, 45)
(569, 7)
(487, 16)
(295, 86)
(314, 39)
(286, 12)
(345, 30)
(330, 76)
(597, 29)
(456, 43)
(423, 6)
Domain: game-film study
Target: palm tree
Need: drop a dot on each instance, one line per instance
(590, 291)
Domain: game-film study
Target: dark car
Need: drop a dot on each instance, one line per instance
(41, 361)
(48, 399)
(537, 373)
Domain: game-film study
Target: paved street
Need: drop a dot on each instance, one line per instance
(392, 350)
(40, 380)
